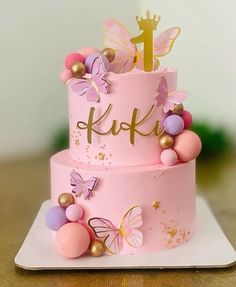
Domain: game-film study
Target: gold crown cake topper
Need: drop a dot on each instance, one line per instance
(126, 55)
(148, 22)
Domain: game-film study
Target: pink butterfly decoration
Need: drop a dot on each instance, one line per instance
(113, 236)
(168, 100)
(127, 56)
(92, 87)
(82, 186)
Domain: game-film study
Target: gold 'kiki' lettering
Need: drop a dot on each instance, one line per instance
(116, 128)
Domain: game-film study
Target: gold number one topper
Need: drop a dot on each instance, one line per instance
(147, 25)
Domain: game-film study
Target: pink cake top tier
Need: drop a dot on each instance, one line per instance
(128, 93)
(124, 108)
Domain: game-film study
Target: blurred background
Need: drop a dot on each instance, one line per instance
(36, 36)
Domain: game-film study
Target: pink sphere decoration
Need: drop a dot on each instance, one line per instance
(86, 51)
(169, 157)
(72, 240)
(188, 119)
(187, 145)
(72, 58)
(88, 228)
(74, 212)
(65, 76)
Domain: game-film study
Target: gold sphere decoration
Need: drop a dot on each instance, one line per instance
(178, 109)
(78, 69)
(96, 248)
(109, 53)
(65, 199)
(166, 141)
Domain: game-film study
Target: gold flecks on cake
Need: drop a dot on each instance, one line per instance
(77, 142)
(162, 172)
(103, 146)
(87, 152)
(157, 176)
(175, 234)
(77, 130)
(156, 204)
(87, 155)
(172, 232)
(100, 156)
(183, 234)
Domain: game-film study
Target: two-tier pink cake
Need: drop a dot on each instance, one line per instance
(126, 185)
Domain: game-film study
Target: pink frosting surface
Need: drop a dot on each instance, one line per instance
(120, 188)
(136, 89)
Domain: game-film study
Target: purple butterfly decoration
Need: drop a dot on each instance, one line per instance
(93, 86)
(82, 186)
(168, 99)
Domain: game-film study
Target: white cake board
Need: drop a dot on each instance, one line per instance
(209, 248)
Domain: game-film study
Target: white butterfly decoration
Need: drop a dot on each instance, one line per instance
(127, 56)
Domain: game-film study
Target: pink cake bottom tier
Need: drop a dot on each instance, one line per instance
(166, 196)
